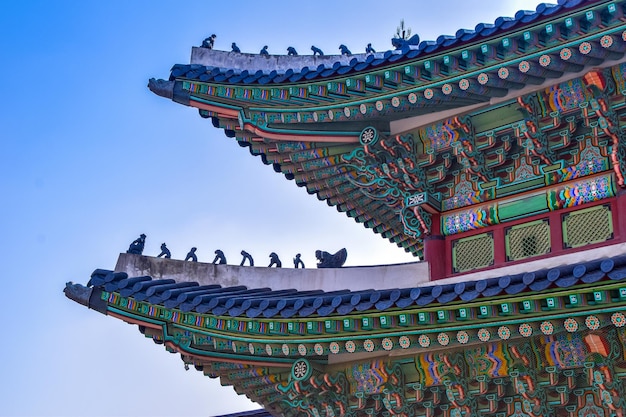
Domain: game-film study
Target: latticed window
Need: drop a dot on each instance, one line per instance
(527, 240)
(583, 227)
(472, 252)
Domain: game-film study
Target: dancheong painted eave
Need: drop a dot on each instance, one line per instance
(397, 334)
(450, 123)
(509, 174)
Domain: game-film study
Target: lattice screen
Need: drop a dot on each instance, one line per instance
(472, 252)
(527, 240)
(587, 226)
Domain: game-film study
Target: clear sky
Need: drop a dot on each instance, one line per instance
(90, 158)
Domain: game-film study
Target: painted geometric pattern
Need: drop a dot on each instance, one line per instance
(438, 136)
(591, 162)
(473, 252)
(587, 191)
(564, 350)
(434, 368)
(526, 240)
(619, 75)
(464, 195)
(491, 359)
(524, 171)
(368, 378)
(587, 226)
(471, 219)
(567, 96)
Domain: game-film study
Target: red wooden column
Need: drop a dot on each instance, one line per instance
(435, 255)
(435, 251)
(619, 216)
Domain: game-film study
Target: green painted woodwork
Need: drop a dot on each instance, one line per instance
(410, 323)
(523, 207)
(551, 361)
(587, 226)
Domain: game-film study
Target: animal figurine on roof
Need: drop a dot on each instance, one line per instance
(264, 51)
(316, 51)
(275, 261)
(291, 51)
(136, 247)
(163, 88)
(235, 48)
(219, 257)
(400, 43)
(208, 42)
(248, 257)
(344, 50)
(369, 49)
(327, 260)
(297, 262)
(192, 255)
(164, 252)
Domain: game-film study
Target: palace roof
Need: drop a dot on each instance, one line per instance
(342, 65)
(266, 303)
(463, 120)
(413, 334)
(511, 122)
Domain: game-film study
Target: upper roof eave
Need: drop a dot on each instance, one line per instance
(306, 67)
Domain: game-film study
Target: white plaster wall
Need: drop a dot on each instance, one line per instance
(329, 279)
(267, 63)
(380, 277)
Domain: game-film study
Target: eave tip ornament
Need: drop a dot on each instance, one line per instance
(368, 136)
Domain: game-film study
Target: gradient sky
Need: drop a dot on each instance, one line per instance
(90, 158)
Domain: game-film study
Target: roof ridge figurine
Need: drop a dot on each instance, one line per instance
(275, 261)
(219, 257)
(316, 51)
(298, 262)
(400, 43)
(164, 252)
(137, 246)
(209, 42)
(191, 255)
(344, 50)
(327, 260)
(247, 256)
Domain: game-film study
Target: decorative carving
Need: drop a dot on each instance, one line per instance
(219, 257)
(275, 261)
(191, 255)
(386, 171)
(161, 87)
(344, 50)
(246, 256)
(297, 262)
(137, 246)
(327, 260)
(316, 51)
(400, 43)
(77, 292)
(164, 252)
(209, 42)
(530, 137)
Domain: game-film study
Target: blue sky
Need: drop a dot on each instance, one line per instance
(89, 159)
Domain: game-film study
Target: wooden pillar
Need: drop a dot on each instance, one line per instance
(436, 255)
(619, 216)
(556, 232)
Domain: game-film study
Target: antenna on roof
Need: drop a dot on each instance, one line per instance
(401, 32)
